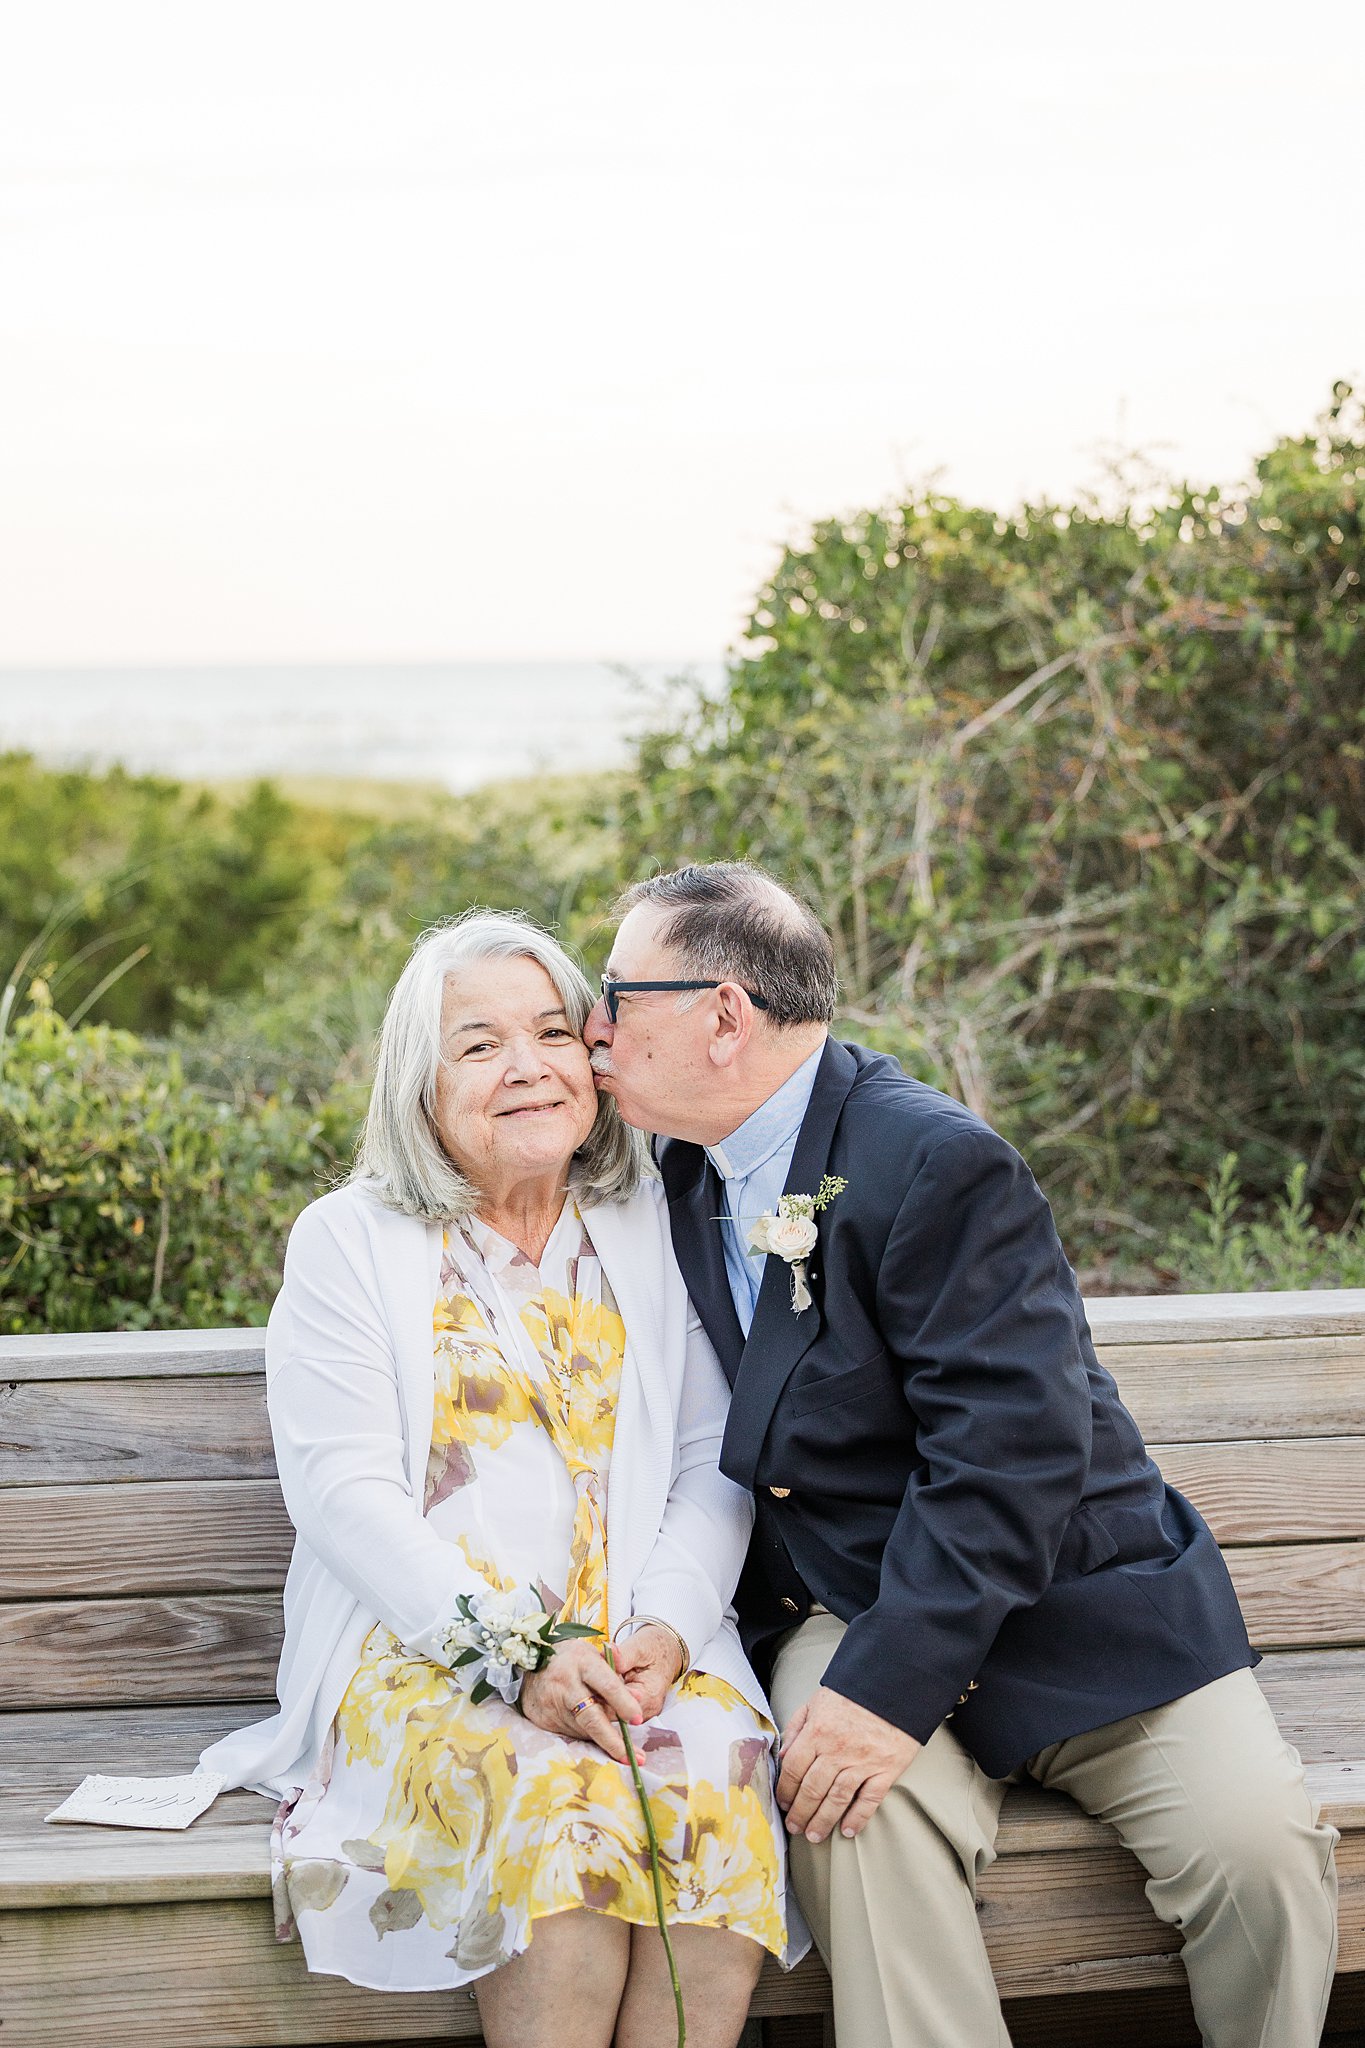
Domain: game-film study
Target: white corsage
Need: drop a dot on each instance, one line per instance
(792, 1233)
(499, 1638)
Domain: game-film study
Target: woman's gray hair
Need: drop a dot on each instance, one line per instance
(400, 1154)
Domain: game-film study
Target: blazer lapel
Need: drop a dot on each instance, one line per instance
(695, 1197)
(778, 1336)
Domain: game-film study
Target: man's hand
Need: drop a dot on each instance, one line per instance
(838, 1763)
(648, 1662)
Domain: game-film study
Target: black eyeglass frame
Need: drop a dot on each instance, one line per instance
(613, 990)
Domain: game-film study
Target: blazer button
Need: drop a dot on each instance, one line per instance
(779, 1492)
(787, 1603)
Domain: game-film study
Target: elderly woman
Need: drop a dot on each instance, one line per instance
(485, 1379)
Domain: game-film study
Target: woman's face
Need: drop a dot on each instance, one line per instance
(514, 1091)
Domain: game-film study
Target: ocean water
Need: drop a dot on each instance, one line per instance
(456, 724)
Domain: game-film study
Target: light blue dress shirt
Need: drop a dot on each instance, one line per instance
(753, 1163)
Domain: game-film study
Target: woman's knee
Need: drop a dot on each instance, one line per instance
(701, 1953)
(717, 1972)
(563, 1989)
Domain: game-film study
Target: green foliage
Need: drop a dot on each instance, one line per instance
(1081, 794)
(151, 1180)
(1229, 1252)
(306, 1029)
(128, 1198)
(127, 889)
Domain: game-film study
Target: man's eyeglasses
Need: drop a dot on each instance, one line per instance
(612, 991)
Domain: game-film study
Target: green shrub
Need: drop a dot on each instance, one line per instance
(130, 889)
(1080, 793)
(129, 1198)
(1228, 1252)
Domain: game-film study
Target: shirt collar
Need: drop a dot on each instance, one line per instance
(772, 1125)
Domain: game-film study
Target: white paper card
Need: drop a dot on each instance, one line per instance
(141, 1802)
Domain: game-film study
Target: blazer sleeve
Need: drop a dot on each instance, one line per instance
(337, 1421)
(977, 1306)
(690, 1575)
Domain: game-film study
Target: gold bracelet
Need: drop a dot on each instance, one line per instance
(657, 1621)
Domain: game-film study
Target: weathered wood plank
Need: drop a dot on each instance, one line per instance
(1114, 1319)
(79, 1431)
(85, 1431)
(226, 1854)
(1160, 2018)
(1317, 1696)
(1302, 1595)
(211, 1975)
(1043, 1914)
(75, 1432)
(214, 1978)
(1307, 1490)
(132, 1354)
(178, 1536)
(1054, 1923)
(42, 1753)
(1035, 1822)
(166, 1536)
(1216, 1393)
(1208, 1318)
(223, 1646)
(1318, 1699)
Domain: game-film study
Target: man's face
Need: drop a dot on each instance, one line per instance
(653, 1060)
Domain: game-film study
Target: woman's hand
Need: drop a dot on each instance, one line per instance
(649, 1661)
(577, 1672)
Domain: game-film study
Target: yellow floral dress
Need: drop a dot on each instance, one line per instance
(434, 1833)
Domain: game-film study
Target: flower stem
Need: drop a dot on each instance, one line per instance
(654, 1869)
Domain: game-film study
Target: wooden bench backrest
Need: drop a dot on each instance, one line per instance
(143, 1541)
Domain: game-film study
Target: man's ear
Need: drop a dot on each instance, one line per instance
(732, 1024)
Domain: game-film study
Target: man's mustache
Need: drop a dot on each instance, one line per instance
(600, 1060)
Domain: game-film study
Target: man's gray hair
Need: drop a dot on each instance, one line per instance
(400, 1154)
(727, 920)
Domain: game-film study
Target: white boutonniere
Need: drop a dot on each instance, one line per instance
(791, 1234)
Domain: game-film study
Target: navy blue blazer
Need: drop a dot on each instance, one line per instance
(937, 1454)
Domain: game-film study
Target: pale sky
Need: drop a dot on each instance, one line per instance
(427, 331)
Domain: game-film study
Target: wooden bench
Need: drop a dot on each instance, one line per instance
(143, 1545)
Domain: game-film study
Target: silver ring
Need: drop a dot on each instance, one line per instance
(579, 1708)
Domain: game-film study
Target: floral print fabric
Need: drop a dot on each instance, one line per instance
(434, 1833)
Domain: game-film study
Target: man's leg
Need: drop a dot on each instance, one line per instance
(1210, 1798)
(893, 1911)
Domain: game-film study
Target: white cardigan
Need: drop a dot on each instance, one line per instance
(351, 1388)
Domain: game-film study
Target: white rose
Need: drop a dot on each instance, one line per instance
(791, 1237)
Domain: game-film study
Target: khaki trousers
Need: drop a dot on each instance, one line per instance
(1204, 1791)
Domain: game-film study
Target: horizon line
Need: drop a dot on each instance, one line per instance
(125, 665)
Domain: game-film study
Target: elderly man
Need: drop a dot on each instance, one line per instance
(965, 1565)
